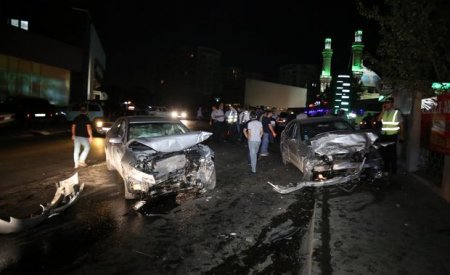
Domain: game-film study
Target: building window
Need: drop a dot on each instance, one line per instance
(23, 24)
(14, 22)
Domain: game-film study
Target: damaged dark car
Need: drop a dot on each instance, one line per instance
(328, 151)
(159, 155)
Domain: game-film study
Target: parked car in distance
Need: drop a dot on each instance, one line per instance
(95, 113)
(159, 111)
(179, 113)
(281, 121)
(158, 155)
(28, 109)
(6, 118)
(327, 150)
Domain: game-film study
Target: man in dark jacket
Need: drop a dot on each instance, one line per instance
(81, 136)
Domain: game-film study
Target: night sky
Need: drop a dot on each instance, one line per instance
(254, 35)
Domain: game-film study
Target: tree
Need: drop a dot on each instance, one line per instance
(413, 51)
(415, 38)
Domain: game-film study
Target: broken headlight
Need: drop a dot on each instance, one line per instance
(327, 159)
(138, 181)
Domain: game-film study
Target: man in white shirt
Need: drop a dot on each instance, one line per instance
(218, 121)
(253, 132)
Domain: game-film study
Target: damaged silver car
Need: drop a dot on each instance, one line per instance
(159, 155)
(328, 151)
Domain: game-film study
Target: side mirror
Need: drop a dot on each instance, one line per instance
(115, 140)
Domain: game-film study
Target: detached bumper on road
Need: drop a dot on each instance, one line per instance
(333, 181)
(67, 192)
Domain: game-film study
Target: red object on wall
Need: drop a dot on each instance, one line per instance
(436, 126)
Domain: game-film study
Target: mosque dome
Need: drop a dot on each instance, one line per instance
(369, 78)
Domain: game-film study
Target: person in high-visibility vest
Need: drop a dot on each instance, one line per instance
(391, 131)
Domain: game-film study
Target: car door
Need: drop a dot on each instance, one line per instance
(294, 150)
(118, 150)
(303, 147)
(284, 141)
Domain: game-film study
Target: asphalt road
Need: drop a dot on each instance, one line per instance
(240, 227)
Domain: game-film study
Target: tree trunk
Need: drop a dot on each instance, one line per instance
(446, 179)
(413, 134)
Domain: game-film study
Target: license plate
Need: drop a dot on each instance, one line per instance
(39, 115)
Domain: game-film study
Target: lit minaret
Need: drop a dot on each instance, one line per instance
(357, 51)
(325, 77)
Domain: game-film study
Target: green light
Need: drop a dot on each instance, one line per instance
(440, 86)
(326, 73)
(357, 68)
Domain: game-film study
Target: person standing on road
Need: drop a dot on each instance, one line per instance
(391, 131)
(253, 132)
(199, 113)
(81, 136)
(243, 118)
(218, 120)
(269, 132)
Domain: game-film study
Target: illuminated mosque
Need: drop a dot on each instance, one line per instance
(368, 79)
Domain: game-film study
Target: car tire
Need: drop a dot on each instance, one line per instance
(108, 163)
(128, 195)
(284, 158)
(207, 176)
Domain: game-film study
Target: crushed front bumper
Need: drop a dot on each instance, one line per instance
(333, 181)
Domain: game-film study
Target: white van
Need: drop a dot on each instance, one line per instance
(95, 113)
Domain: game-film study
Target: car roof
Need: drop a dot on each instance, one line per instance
(142, 119)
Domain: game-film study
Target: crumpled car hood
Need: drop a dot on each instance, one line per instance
(341, 142)
(173, 143)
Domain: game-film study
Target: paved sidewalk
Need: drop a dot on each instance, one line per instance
(398, 228)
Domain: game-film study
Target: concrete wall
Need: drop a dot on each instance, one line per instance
(34, 47)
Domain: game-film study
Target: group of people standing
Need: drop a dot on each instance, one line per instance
(259, 134)
(256, 126)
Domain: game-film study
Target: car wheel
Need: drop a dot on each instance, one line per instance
(108, 163)
(207, 176)
(284, 158)
(128, 195)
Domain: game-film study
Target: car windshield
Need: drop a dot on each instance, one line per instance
(155, 129)
(310, 130)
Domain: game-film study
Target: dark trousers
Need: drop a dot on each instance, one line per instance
(389, 153)
(219, 131)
